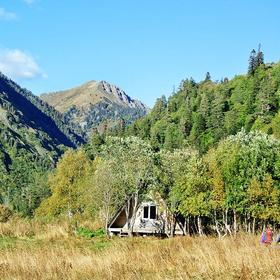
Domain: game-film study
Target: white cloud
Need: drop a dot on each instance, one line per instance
(5, 15)
(17, 64)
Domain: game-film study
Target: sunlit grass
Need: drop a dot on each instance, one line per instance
(65, 256)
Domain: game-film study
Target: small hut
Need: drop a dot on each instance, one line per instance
(152, 218)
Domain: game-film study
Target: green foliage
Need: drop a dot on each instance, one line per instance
(211, 150)
(32, 137)
(87, 233)
(24, 185)
(244, 175)
(131, 173)
(95, 187)
(200, 114)
(184, 182)
(134, 160)
(68, 186)
(93, 147)
(256, 59)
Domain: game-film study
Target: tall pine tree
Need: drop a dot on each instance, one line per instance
(259, 57)
(256, 59)
(252, 63)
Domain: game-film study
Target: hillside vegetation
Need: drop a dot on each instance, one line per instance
(211, 152)
(200, 114)
(232, 188)
(33, 135)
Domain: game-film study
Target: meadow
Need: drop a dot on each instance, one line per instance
(32, 250)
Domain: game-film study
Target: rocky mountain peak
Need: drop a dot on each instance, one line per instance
(94, 102)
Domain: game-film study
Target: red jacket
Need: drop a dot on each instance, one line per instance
(269, 236)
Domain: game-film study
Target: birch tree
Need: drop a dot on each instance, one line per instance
(185, 181)
(105, 189)
(67, 184)
(133, 169)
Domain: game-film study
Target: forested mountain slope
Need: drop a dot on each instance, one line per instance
(32, 137)
(200, 114)
(28, 123)
(93, 104)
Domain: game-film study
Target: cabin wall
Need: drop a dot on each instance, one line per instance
(146, 224)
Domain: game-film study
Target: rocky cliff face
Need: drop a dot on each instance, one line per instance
(93, 103)
(121, 97)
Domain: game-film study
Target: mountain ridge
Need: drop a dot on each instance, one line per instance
(94, 103)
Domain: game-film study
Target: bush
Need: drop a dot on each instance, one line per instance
(5, 213)
(87, 233)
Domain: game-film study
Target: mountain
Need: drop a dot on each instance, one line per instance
(95, 103)
(200, 114)
(30, 126)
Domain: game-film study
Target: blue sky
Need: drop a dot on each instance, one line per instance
(144, 47)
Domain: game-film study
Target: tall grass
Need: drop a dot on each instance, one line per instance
(59, 255)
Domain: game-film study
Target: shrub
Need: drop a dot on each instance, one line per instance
(5, 213)
(87, 233)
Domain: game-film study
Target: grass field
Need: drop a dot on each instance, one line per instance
(32, 251)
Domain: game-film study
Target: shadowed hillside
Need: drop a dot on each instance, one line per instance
(33, 135)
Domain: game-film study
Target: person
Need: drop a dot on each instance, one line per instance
(263, 237)
(269, 235)
(278, 239)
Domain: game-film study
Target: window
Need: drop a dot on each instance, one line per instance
(152, 212)
(146, 212)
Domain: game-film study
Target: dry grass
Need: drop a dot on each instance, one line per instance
(19, 228)
(58, 255)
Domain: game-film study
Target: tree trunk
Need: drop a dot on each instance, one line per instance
(234, 222)
(264, 225)
(133, 216)
(188, 225)
(249, 227)
(225, 220)
(247, 223)
(194, 225)
(217, 224)
(127, 208)
(69, 212)
(254, 225)
(185, 227)
(199, 226)
(172, 226)
(106, 220)
(106, 207)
